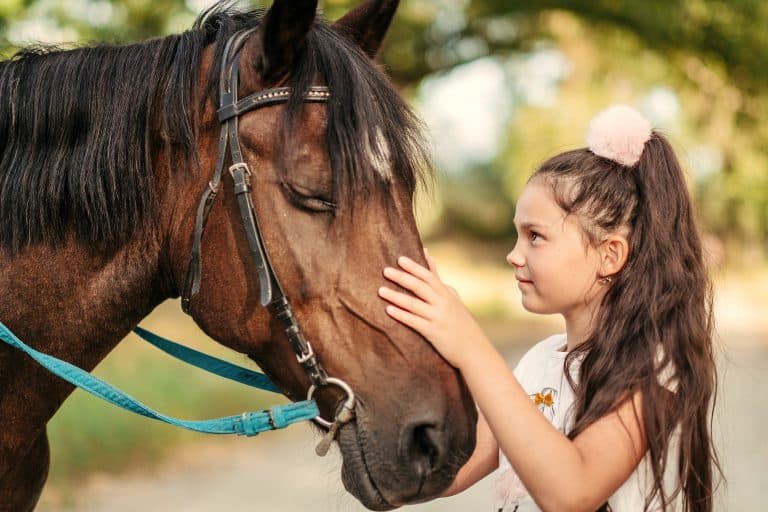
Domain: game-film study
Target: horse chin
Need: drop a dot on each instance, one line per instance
(355, 474)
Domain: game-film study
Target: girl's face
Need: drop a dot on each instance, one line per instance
(556, 267)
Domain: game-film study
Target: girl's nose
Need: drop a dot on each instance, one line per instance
(514, 258)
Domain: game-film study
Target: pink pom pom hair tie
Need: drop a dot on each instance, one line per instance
(619, 134)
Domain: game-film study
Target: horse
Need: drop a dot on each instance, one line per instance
(105, 152)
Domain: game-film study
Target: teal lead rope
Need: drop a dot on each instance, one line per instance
(245, 424)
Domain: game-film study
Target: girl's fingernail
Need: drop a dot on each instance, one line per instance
(382, 290)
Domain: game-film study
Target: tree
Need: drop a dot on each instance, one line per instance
(713, 53)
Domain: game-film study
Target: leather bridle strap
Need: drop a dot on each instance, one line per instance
(241, 175)
(315, 94)
(271, 293)
(193, 275)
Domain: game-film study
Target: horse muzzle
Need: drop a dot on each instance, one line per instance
(384, 471)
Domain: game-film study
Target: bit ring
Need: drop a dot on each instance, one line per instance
(349, 403)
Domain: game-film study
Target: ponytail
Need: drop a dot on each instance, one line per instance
(653, 331)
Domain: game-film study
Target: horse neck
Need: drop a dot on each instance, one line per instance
(75, 305)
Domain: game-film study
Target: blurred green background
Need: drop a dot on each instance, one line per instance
(505, 83)
(502, 85)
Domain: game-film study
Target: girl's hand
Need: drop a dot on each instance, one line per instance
(436, 312)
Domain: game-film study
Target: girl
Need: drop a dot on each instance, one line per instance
(606, 238)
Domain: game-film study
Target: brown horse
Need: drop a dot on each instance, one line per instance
(104, 154)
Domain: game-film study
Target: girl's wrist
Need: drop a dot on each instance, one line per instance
(481, 350)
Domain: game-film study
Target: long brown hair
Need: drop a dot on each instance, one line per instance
(656, 316)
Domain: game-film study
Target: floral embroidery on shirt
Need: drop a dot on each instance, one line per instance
(545, 402)
(509, 491)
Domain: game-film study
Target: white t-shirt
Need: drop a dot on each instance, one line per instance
(541, 372)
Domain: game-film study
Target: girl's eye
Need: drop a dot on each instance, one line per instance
(533, 236)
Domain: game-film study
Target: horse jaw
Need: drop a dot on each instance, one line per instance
(355, 474)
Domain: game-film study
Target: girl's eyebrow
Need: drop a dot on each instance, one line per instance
(530, 225)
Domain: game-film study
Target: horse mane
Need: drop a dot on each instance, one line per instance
(75, 127)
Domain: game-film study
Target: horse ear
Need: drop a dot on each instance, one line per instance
(282, 35)
(367, 23)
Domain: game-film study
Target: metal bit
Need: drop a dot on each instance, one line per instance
(325, 442)
(345, 416)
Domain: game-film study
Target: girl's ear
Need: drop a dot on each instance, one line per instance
(614, 252)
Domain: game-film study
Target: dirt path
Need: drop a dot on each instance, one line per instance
(276, 472)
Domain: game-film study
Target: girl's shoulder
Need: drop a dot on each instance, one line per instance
(554, 343)
(544, 350)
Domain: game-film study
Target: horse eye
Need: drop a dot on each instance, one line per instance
(307, 200)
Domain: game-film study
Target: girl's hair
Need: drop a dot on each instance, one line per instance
(656, 316)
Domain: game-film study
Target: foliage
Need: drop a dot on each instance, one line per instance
(711, 53)
(718, 123)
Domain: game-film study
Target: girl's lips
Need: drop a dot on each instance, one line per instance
(523, 284)
(523, 280)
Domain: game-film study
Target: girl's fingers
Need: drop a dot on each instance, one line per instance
(417, 270)
(422, 290)
(405, 301)
(409, 319)
(431, 263)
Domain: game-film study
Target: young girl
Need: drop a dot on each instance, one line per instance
(612, 415)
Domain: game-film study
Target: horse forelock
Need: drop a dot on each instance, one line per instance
(75, 126)
(372, 135)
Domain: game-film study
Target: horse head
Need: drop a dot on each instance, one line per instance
(332, 187)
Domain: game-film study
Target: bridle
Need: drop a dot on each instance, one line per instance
(271, 292)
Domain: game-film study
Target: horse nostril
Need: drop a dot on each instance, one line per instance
(424, 447)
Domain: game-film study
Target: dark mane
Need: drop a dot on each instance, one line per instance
(75, 126)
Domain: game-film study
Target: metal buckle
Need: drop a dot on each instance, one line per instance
(271, 419)
(303, 358)
(348, 404)
(239, 165)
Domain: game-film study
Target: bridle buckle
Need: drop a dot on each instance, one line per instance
(239, 165)
(303, 358)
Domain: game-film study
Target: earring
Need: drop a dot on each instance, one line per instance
(606, 280)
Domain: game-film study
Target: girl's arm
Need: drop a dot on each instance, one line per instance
(560, 474)
(484, 459)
